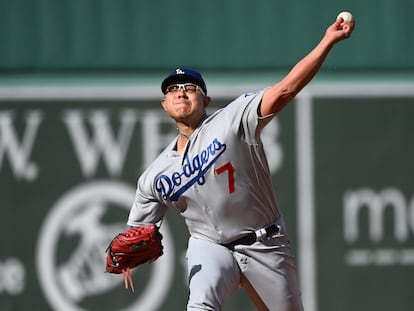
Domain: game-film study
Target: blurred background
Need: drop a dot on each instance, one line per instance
(80, 118)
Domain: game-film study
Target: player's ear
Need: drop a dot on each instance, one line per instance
(206, 100)
(163, 103)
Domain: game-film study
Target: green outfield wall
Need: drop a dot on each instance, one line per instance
(80, 118)
(239, 35)
(341, 157)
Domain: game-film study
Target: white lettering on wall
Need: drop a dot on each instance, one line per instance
(12, 276)
(376, 203)
(18, 151)
(100, 140)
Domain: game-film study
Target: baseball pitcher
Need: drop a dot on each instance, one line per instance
(215, 173)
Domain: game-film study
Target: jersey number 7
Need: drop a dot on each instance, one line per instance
(230, 169)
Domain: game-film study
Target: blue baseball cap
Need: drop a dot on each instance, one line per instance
(184, 75)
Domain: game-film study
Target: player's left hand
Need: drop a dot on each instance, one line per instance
(131, 248)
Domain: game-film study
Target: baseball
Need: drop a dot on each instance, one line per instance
(346, 16)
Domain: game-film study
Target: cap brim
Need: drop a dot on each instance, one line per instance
(182, 78)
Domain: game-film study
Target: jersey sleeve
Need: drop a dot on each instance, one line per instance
(145, 208)
(244, 117)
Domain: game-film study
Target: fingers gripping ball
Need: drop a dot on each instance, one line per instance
(346, 16)
(346, 23)
(134, 247)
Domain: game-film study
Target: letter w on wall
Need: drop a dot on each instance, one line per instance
(18, 150)
(100, 140)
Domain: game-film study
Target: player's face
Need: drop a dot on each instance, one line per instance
(185, 103)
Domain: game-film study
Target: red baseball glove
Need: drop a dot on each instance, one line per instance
(132, 248)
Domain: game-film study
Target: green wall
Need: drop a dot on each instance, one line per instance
(80, 119)
(139, 35)
(340, 156)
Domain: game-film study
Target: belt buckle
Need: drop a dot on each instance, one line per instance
(261, 234)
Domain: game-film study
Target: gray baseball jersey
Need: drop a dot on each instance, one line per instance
(221, 182)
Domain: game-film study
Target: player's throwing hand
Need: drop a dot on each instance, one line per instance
(341, 29)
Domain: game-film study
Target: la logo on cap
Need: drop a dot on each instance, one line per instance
(179, 71)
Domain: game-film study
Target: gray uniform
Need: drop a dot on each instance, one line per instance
(222, 186)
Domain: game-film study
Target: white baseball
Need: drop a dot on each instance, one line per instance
(346, 16)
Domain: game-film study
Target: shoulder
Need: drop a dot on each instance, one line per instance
(238, 107)
(249, 98)
(244, 107)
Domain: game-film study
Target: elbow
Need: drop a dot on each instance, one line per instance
(275, 99)
(286, 96)
(290, 90)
